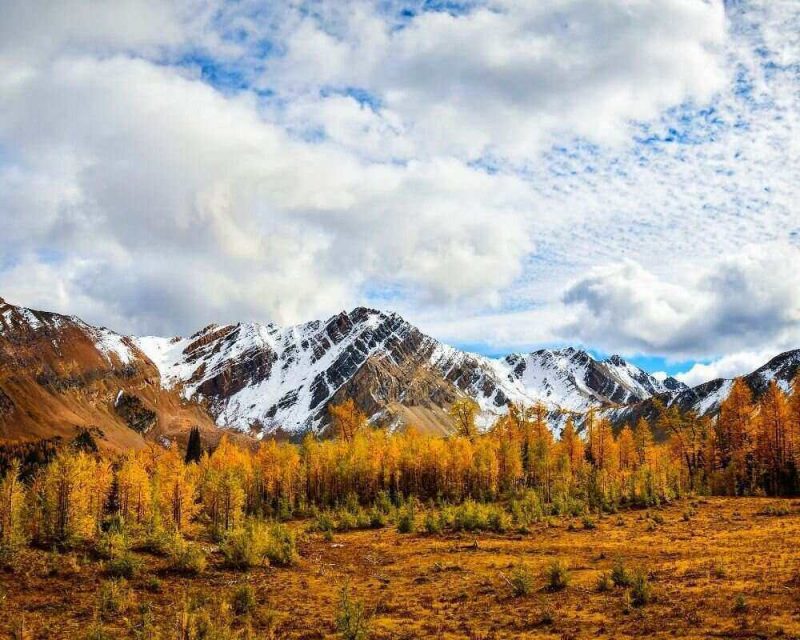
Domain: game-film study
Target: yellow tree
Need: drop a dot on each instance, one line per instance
(463, 413)
(643, 440)
(175, 490)
(626, 446)
(735, 436)
(12, 506)
(347, 419)
(772, 440)
(134, 493)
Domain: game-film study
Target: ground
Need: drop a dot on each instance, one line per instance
(719, 568)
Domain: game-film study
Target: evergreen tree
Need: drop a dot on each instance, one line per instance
(194, 449)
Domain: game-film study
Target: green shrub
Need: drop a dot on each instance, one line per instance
(432, 524)
(323, 522)
(604, 582)
(588, 523)
(405, 519)
(257, 544)
(243, 600)
(641, 590)
(775, 509)
(383, 503)
(281, 549)
(557, 575)
(521, 580)
(126, 565)
(186, 557)
(498, 520)
(246, 547)
(112, 544)
(740, 604)
(153, 584)
(352, 621)
(113, 597)
(377, 518)
(620, 576)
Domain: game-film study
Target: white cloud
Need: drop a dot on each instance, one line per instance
(752, 297)
(166, 164)
(730, 366)
(511, 77)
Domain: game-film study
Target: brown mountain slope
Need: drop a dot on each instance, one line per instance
(58, 375)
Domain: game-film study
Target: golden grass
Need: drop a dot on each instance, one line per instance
(455, 586)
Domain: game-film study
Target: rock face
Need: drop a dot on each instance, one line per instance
(59, 376)
(265, 378)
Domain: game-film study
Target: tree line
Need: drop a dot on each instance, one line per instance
(749, 448)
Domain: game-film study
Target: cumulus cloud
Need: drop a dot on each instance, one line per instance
(729, 366)
(168, 164)
(510, 77)
(749, 298)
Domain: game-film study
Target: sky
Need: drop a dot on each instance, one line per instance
(620, 175)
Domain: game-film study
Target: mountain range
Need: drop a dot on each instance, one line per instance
(59, 374)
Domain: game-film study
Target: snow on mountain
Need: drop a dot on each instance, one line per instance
(266, 377)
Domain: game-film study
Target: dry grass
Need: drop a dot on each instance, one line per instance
(455, 585)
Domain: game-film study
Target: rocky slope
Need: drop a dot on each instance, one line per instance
(59, 375)
(266, 378)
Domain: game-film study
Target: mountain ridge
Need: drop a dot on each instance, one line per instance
(264, 379)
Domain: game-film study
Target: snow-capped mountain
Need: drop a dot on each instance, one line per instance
(58, 373)
(264, 377)
(706, 398)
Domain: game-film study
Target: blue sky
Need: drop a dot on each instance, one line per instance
(507, 175)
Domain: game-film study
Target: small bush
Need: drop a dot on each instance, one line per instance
(377, 518)
(588, 523)
(405, 519)
(498, 520)
(557, 575)
(604, 582)
(620, 576)
(521, 580)
(186, 557)
(153, 584)
(352, 620)
(257, 544)
(776, 509)
(324, 522)
(740, 604)
(113, 598)
(243, 600)
(718, 570)
(433, 524)
(126, 565)
(112, 544)
(641, 590)
(281, 547)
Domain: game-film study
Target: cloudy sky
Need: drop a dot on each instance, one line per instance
(507, 174)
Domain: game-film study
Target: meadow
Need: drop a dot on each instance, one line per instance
(708, 567)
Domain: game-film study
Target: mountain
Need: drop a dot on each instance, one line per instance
(59, 375)
(266, 378)
(706, 398)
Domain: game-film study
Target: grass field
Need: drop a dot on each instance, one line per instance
(714, 567)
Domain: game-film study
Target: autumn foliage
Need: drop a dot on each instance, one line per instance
(749, 448)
